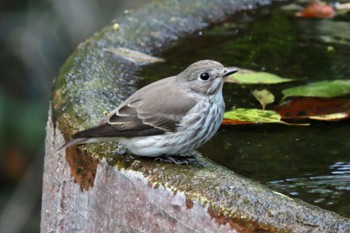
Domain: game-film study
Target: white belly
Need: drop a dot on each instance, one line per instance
(194, 130)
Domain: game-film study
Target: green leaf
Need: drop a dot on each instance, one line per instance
(320, 89)
(251, 77)
(264, 97)
(253, 115)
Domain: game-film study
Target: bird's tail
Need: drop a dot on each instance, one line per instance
(75, 141)
(98, 133)
(81, 141)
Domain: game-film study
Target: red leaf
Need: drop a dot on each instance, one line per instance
(317, 10)
(311, 107)
(236, 122)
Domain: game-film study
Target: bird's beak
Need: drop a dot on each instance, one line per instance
(228, 71)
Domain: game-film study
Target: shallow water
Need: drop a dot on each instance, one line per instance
(311, 163)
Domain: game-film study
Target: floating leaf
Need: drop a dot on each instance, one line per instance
(317, 9)
(264, 97)
(252, 116)
(320, 89)
(330, 117)
(342, 8)
(292, 7)
(315, 109)
(251, 77)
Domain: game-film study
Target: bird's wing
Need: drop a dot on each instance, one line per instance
(155, 109)
(158, 105)
(124, 124)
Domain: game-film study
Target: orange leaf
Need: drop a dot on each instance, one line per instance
(317, 10)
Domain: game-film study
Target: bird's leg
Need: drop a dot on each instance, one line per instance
(121, 150)
(179, 159)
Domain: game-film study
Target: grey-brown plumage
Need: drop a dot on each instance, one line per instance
(163, 117)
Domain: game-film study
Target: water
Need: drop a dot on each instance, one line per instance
(310, 163)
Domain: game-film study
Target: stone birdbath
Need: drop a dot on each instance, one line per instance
(91, 189)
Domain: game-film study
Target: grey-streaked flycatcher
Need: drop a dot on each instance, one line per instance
(172, 116)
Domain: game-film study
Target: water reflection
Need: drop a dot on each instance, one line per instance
(324, 190)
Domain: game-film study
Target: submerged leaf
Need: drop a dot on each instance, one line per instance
(320, 89)
(264, 97)
(251, 77)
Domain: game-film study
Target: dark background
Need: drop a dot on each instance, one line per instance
(35, 39)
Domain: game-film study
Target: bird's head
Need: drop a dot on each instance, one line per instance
(205, 77)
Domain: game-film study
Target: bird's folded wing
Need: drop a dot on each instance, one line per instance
(140, 115)
(155, 109)
(106, 130)
(133, 120)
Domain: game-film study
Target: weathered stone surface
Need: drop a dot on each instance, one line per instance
(117, 194)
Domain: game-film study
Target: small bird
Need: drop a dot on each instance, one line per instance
(170, 117)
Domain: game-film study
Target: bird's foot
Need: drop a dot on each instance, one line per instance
(179, 160)
(121, 151)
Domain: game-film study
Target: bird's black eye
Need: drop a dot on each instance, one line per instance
(204, 76)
